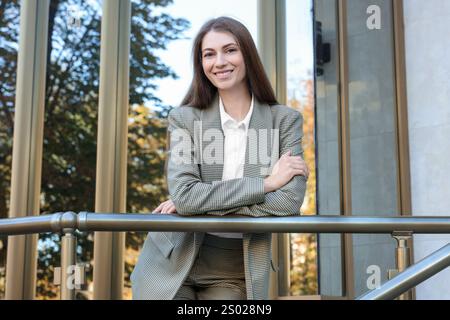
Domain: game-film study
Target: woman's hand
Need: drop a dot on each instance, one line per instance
(166, 207)
(284, 170)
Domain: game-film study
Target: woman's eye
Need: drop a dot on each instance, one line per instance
(207, 55)
(231, 50)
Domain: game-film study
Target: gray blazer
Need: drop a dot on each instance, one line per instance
(196, 188)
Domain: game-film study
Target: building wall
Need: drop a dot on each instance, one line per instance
(427, 44)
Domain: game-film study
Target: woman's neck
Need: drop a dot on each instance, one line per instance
(236, 102)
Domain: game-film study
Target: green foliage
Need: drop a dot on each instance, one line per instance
(71, 103)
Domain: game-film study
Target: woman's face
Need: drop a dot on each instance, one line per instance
(222, 60)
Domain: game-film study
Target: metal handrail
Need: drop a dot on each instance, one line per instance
(89, 221)
(68, 222)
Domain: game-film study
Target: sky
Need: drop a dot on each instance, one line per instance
(178, 53)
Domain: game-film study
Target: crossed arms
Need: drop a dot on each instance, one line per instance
(243, 196)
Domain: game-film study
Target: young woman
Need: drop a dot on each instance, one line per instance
(231, 132)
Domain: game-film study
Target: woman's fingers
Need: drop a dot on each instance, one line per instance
(166, 207)
(161, 208)
(171, 209)
(299, 172)
(158, 209)
(298, 163)
(300, 168)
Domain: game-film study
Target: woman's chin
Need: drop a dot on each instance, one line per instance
(225, 86)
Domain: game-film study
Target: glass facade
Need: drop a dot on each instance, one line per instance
(160, 73)
(327, 142)
(9, 45)
(370, 75)
(372, 134)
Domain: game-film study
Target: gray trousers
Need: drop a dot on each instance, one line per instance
(217, 273)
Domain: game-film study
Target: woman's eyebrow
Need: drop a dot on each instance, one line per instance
(223, 47)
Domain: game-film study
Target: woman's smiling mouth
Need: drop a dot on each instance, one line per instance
(223, 74)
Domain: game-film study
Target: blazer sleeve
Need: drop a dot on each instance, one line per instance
(288, 199)
(190, 195)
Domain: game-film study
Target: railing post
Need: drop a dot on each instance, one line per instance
(68, 264)
(68, 257)
(402, 258)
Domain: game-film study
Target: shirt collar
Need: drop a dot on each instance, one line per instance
(226, 120)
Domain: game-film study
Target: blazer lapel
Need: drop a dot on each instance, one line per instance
(210, 120)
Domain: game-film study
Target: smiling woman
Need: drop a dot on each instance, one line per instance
(230, 94)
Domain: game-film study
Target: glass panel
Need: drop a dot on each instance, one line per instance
(70, 132)
(160, 74)
(300, 94)
(372, 134)
(328, 180)
(9, 36)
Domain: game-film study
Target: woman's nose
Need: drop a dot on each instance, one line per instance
(220, 60)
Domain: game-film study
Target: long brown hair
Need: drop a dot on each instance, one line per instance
(202, 92)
